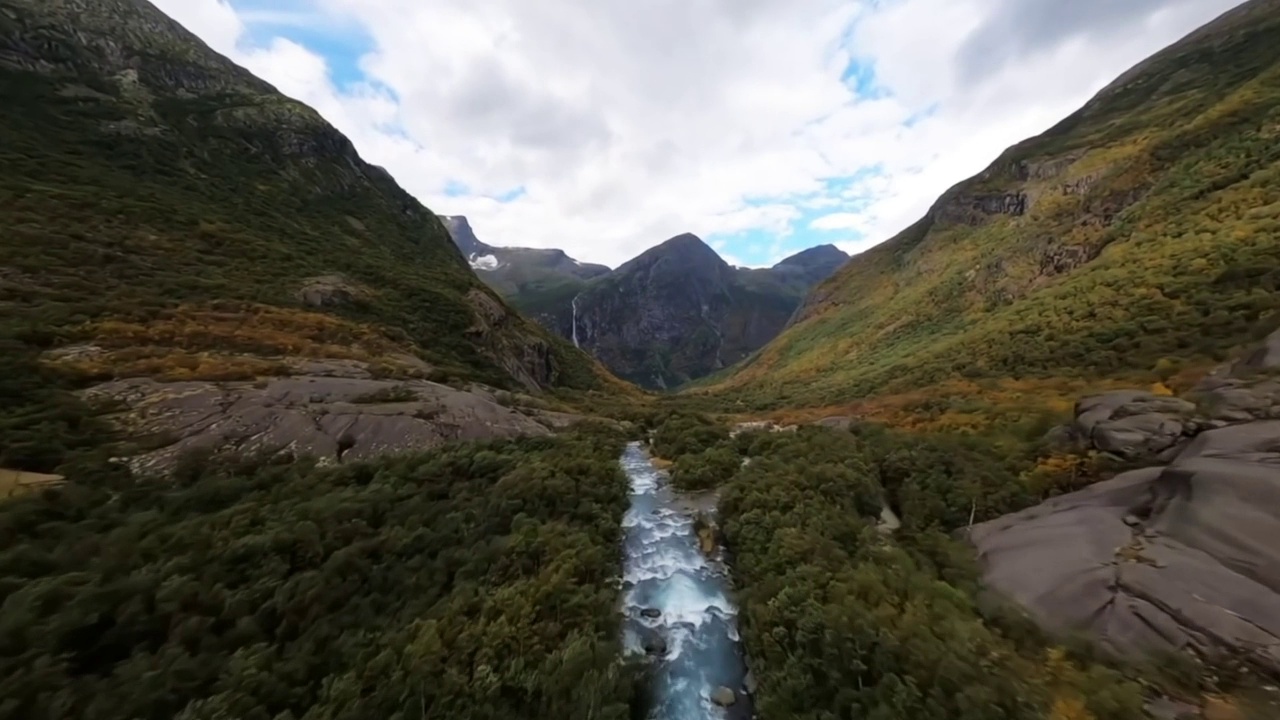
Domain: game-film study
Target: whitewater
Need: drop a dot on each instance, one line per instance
(677, 603)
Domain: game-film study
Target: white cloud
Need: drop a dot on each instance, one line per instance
(840, 221)
(628, 122)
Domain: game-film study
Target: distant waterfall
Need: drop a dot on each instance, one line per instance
(575, 321)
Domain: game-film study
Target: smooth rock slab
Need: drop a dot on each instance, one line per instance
(335, 419)
(1132, 424)
(1196, 565)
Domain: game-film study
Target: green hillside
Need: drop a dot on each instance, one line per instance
(186, 220)
(1145, 226)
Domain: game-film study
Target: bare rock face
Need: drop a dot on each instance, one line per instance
(336, 416)
(976, 209)
(327, 291)
(1244, 390)
(528, 359)
(1132, 424)
(1183, 557)
(1180, 557)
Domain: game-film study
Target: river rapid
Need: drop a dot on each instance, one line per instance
(678, 604)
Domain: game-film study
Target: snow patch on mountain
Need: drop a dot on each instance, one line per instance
(485, 262)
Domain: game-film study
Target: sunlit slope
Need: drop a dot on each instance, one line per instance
(1144, 226)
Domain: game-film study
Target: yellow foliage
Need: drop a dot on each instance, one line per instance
(1070, 707)
(958, 405)
(227, 342)
(1222, 708)
(18, 482)
(249, 328)
(1160, 389)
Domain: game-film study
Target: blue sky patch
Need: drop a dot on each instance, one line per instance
(513, 194)
(453, 188)
(860, 76)
(340, 44)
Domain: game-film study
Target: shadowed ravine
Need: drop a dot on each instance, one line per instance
(677, 603)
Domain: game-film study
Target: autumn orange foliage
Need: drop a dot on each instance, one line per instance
(227, 342)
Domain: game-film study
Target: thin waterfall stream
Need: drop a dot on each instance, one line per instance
(574, 305)
(677, 602)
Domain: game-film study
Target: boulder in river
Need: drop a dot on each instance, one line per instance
(651, 613)
(1182, 557)
(653, 642)
(723, 696)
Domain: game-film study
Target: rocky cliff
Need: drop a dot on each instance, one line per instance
(1138, 228)
(173, 217)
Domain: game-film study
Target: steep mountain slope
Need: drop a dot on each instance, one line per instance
(149, 174)
(1143, 229)
(518, 272)
(678, 311)
(169, 216)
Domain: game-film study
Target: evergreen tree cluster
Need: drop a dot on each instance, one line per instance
(842, 619)
(476, 581)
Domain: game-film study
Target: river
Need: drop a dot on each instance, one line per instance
(677, 603)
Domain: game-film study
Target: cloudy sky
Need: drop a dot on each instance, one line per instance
(765, 126)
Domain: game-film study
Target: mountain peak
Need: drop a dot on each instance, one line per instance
(819, 255)
(464, 236)
(813, 265)
(686, 248)
(684, 239)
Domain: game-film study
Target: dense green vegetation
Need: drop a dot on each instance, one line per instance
(43, 426)
(177, 231)
(842, 621)
(1151, 231)
(700, 451)
(178, 234)
(471, 582)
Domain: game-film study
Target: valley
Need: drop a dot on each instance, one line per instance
(675, 313)
(280, 442)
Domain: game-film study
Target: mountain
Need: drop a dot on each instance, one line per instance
(679, 312)
(516, 271)
(1139, 234)
(170, 218)
(690, 313)
(812, 266)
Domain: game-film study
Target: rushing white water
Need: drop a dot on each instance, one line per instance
(677, 603)
(575, 321)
